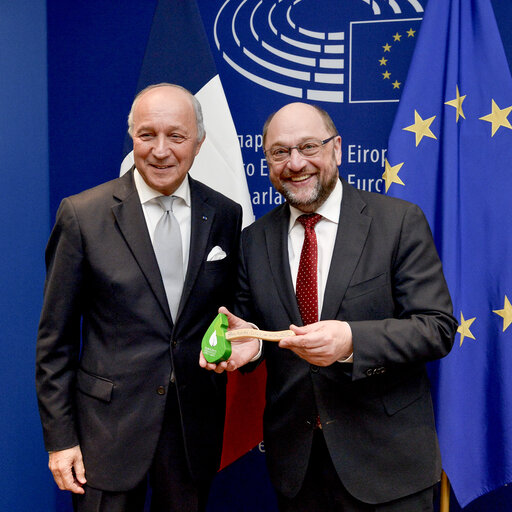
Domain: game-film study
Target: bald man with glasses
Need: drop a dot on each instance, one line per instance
(348, 423)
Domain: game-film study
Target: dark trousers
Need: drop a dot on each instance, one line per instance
(172, 489)
(323, 491)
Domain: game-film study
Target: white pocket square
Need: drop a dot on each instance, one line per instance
(216, 254)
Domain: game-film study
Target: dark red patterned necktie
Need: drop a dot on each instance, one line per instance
(306, 288)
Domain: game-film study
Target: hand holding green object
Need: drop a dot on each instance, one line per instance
(216, 345)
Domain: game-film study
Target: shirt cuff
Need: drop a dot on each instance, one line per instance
(260, 350)
(258, 355)
(349, 359)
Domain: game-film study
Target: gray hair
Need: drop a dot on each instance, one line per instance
(195, 104)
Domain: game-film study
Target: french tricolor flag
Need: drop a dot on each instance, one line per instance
(178, 52)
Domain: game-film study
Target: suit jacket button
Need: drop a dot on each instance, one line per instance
(160, 390)
(174, 343)
(369, 372)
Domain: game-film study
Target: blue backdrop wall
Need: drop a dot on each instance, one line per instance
(69, 73)
(25, 220)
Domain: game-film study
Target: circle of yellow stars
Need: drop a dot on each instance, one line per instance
(421, 128)
(386, 75)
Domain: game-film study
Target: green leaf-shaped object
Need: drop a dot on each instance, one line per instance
(215, 346)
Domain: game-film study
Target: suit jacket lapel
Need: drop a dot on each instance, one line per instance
(276, 236)
(353, 230)
(202, 216)
(132, 224)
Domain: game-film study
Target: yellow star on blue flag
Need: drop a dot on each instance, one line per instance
(464, 328)
(505, 313)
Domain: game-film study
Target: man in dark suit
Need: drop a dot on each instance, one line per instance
(120, 393)
(348, 424)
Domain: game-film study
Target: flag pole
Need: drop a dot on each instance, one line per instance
(445, 494)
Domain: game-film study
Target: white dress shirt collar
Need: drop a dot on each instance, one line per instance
(146, 193)
(329, 210)
(152, 210)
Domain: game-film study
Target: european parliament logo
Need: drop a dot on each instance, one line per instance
(336, 51)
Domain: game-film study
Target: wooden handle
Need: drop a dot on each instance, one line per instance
(238, 334)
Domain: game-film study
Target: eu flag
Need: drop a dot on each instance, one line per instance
(450, 151)
(177, 51)
(381, 52)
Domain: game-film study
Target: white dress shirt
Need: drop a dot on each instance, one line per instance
(326, 230)
(153, 211)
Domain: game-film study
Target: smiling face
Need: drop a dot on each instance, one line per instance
(305, 182)
(164, 137)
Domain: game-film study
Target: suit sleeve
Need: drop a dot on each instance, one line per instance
(243, 305)
(58, 342)
(243, 302)
(422, 328)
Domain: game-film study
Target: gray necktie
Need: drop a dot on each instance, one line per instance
(169, 253)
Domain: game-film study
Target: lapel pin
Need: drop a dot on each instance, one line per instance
(205, 217)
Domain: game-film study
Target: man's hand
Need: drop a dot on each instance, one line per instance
(242, 351)
(322, 343)
(68, 470)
